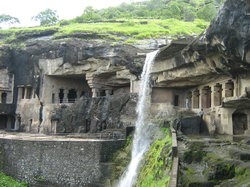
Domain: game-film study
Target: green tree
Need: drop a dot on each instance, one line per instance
(89, 14)
(207, 12)
(47, 17)
(8, 19)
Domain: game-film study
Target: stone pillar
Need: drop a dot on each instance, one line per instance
(96, 92)
(65, 98)
(131, 86)
(212, 96)
(25, 93)
(227, 120)
(19, 93)
(9, 121)
(54, 126)
(17, 121)
(247, 132)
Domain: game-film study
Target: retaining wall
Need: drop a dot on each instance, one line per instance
(58, 163)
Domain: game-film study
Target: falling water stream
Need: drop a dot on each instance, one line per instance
(142, 137)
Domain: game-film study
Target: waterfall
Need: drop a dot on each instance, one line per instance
(142, 137)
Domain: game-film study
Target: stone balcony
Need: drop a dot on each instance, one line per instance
(236, 102)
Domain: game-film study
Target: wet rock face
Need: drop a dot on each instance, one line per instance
(93, 114)
(211, 161)
(230, 31)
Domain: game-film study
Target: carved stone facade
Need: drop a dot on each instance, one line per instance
(6, 101)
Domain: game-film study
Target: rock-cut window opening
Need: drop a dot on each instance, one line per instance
(217, 94)
(61, 95)
(72, 95)
(196, 98)
(229, 89)
(206, 97)
(176, 100)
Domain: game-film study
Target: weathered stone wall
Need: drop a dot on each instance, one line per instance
(58, 163)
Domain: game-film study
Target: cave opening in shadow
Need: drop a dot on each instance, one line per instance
(239, 123)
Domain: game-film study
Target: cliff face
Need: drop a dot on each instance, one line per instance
(229, 33)
(44, 68)
(224, 49)
(225, 46)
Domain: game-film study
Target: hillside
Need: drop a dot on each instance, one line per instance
(128, 22)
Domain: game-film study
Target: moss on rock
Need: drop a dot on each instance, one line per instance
(157, 164)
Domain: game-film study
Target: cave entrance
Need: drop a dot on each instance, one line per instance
(72, 96)
(217, 94)
(3, 122)
(239, 123)
(4, 98)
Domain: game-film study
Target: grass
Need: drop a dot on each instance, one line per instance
(155, 171)
(7, 181)
(133, 30)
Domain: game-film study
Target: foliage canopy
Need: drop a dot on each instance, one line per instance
(187, 10)
(8, 19)
(47, 17)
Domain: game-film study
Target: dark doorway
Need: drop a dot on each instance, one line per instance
(102, 93)
(61, 95)
(239, 123)
(4, 98)
(176, 100)
(53, 98)
(3, 122)
(72, 96)
(23, 92)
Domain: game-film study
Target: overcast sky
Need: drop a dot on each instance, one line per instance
(24, 10)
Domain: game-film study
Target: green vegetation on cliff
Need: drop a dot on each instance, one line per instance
(129, 31)
(155, 171)
(6, 181)
(187, 10)
(129, 23)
